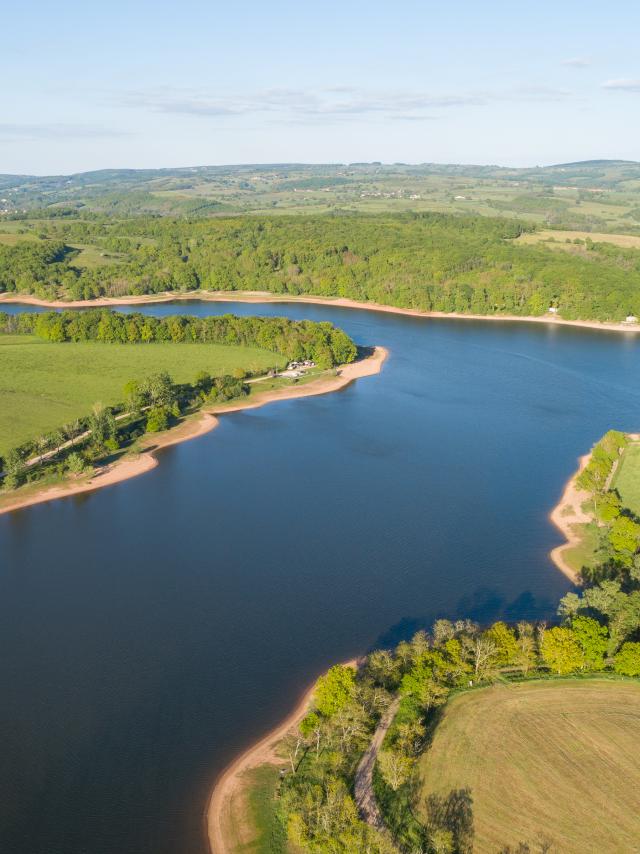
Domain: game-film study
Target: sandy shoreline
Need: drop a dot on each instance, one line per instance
(567, 513)
(262, 752)
(340, 302)
(204, 422)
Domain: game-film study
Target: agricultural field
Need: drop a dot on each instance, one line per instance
(554, 760)
(627, 478)
(44, 385)
(625, 241)
(596, 196)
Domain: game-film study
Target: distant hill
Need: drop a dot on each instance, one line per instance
(594, 195)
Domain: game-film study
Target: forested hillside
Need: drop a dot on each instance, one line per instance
(427, 261)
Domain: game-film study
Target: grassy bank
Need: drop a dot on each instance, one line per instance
(550, 759)
(254, 825)
(626, 479)
(44, 385)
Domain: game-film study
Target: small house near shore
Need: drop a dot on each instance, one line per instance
(631, 318)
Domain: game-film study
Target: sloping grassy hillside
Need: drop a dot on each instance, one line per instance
(45, 385)
(553, 759)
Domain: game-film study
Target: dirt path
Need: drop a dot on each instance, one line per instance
(229, 786)
(365, 798)
(341, 302)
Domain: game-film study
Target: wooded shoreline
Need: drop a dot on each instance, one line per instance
(340, 302)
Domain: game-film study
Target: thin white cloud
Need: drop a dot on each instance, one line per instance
(338, 101)
(55, 131)
(576, 62)
(623, 84)
(539, 93)
(335, 103)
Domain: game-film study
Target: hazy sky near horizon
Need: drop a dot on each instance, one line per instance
(151, 84)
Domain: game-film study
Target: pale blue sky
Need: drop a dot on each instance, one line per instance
(89, 85)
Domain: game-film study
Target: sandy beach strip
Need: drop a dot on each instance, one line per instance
(229, 784)
(567, 513)
(191, 428)
(339, 302)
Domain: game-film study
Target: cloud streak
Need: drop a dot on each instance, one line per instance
(576, 62)
(624, 84)
(336, 103)
(55, 131)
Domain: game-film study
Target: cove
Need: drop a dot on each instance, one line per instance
(153, 629)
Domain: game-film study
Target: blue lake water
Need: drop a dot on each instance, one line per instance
(151, 630)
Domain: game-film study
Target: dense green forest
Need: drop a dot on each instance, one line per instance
(437, 262)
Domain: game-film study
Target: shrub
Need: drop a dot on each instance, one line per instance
(627, 661)
(157, 419)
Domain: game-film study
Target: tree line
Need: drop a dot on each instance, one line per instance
(321, 342)
(430, 261)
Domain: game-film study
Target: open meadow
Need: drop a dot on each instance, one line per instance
(44, 385)
(627, 478)
(544, 759)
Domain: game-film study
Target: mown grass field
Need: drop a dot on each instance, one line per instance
(627, 478)
(555, 759)
(626, 241)
(45, 385)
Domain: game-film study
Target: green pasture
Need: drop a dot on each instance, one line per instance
(44, 385)
(627, 478)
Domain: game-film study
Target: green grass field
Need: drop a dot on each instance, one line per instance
(555, 759)
(583, 553)
(45, 385)
(253, 826)
(627, 478)
(91, 257)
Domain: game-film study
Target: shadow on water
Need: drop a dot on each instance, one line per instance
(484, 606)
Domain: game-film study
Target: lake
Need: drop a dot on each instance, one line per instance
(153, 629)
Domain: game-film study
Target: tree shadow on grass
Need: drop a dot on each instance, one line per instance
(450, 817)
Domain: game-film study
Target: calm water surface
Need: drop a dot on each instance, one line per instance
(153, 629)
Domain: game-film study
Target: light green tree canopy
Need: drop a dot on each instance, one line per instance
(335, 689)
(561, 650)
